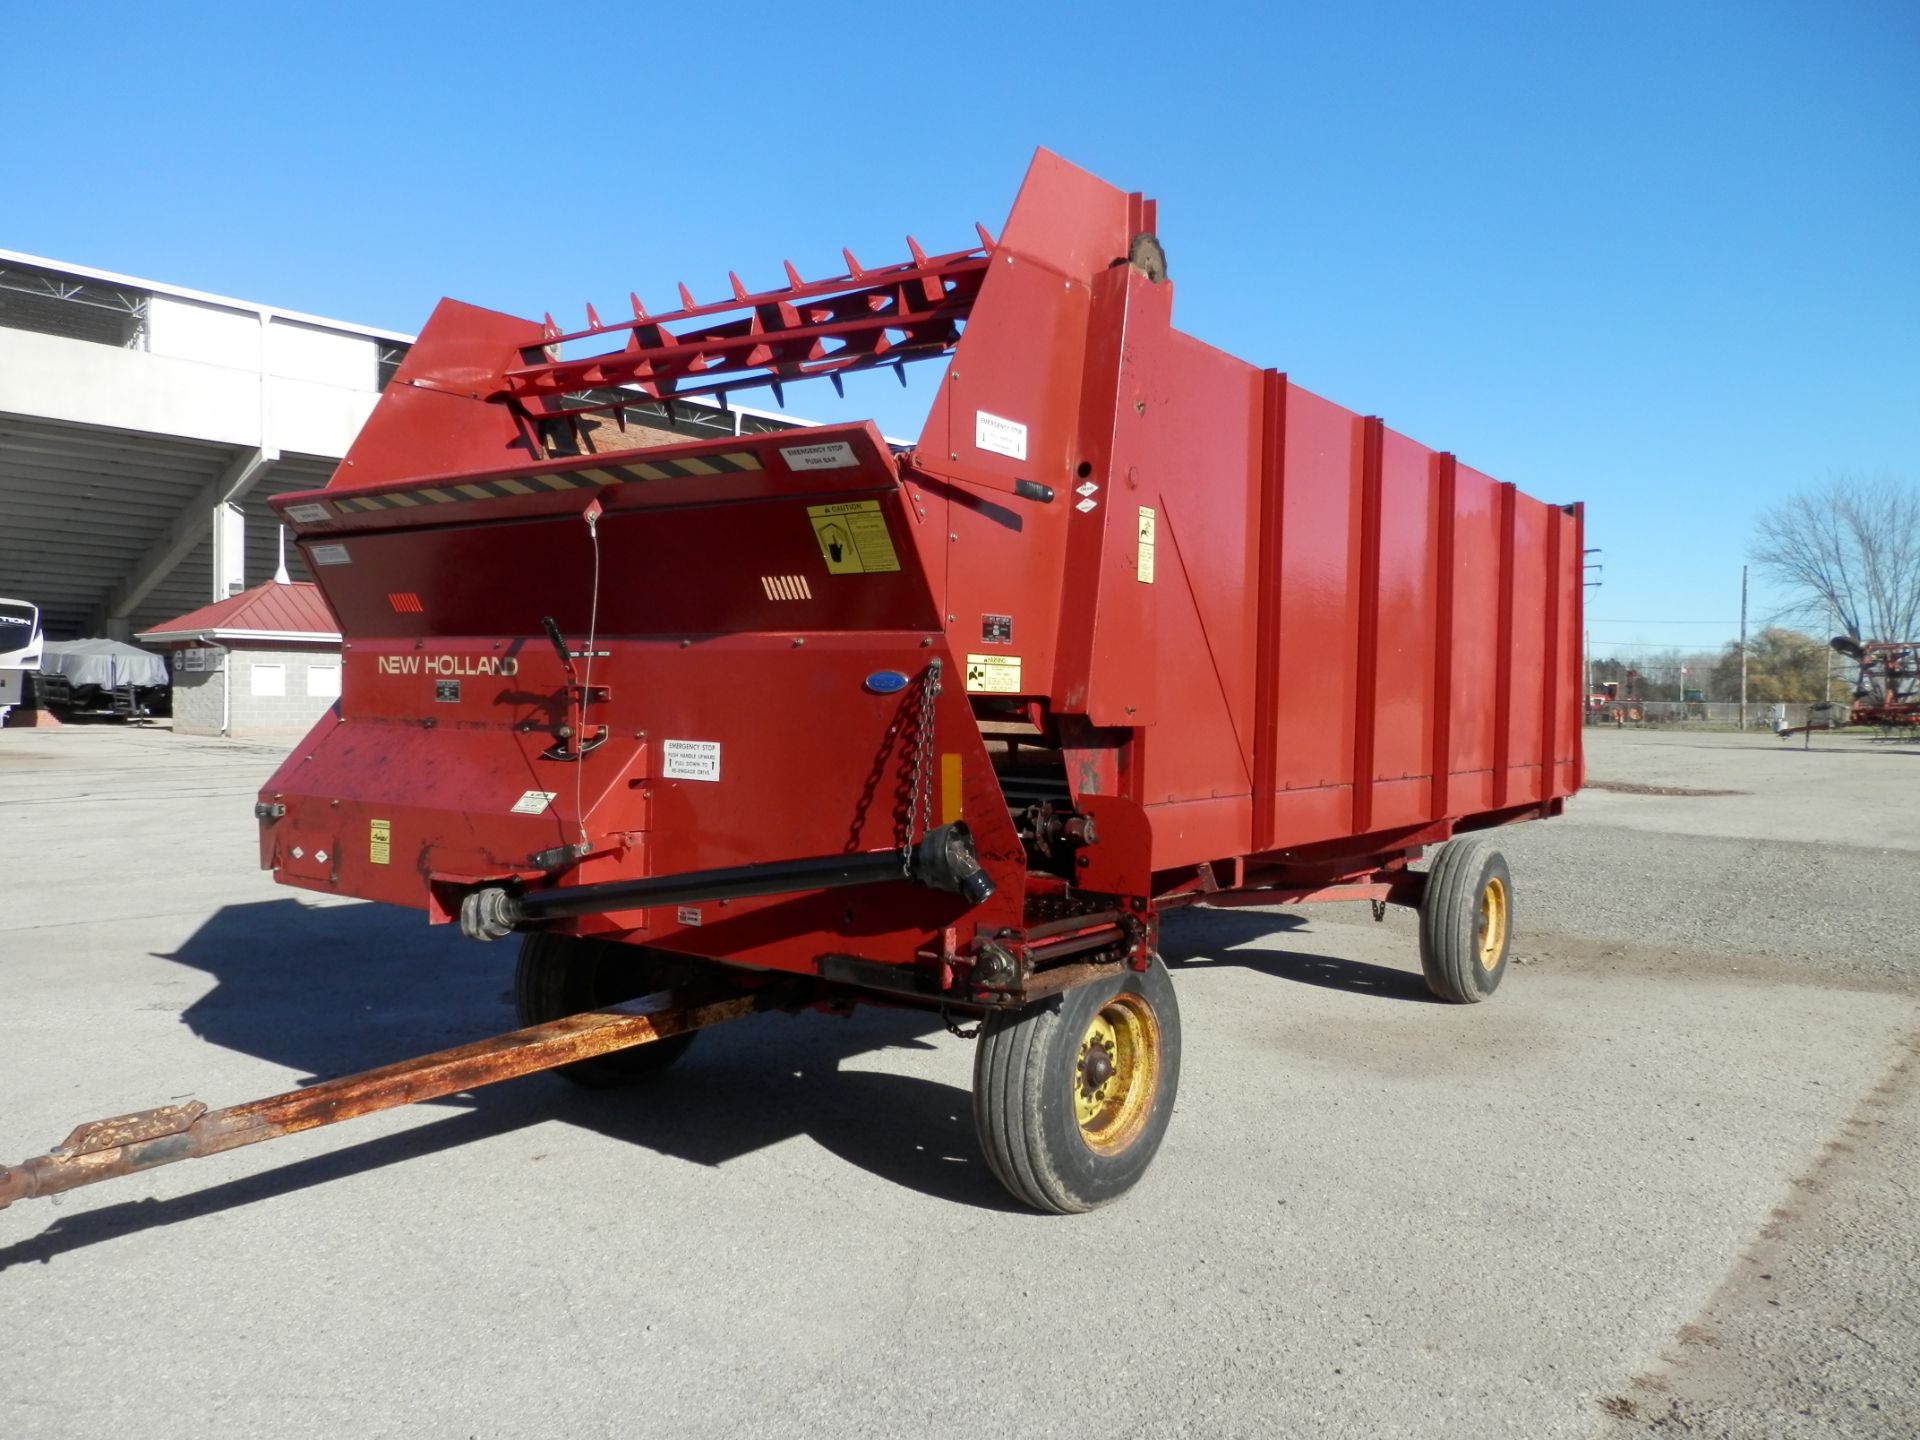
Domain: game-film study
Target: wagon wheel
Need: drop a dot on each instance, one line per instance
(1072, 1096)
(560, 975)
(1466, 921)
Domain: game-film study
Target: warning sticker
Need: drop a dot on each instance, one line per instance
(1143, 565)
(1002, 437)
(835, 455)
(690, 759)
(853, 537)
(533, 802)
(310, 514)
(993, 674)
(330, 555)
(380, 841)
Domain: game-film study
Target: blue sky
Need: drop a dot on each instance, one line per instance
(1662, 258)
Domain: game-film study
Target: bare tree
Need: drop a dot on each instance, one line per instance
(1781, 665)
(1851, 547)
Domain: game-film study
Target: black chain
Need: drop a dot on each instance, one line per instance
(954, 1027)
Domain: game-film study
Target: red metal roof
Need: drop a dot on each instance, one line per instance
(272, 609)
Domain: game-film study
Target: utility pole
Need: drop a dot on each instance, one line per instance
(1743, 647)
(1832, 654)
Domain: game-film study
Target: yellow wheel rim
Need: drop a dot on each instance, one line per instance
(1116, 1073)
(1493, 923)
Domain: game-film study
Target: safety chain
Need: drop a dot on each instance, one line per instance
(920, 792)
(954, 1027)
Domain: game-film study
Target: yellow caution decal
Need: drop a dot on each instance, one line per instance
(993, 674)
(853, 538)
(380, 841)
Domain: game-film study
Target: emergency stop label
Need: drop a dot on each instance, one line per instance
(690, 759)
(993, 674)
(1000, 435)
(834, 455)
(853, 538)
(380, 841)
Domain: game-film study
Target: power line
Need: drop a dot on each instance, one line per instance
(1636, 645)
(1609, 620)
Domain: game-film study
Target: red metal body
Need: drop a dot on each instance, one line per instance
(1202, 634)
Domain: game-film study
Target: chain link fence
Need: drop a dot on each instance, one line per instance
(1719, 713)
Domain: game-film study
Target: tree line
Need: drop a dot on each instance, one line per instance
(1782, 664)
(1846, 555)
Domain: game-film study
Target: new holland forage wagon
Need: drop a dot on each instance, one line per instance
(795, 719)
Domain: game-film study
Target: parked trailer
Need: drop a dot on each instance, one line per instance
(20, 648)
(804, 718)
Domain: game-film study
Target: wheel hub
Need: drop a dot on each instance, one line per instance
(1116, 1073)
(1096, 1067)
(1491, 932)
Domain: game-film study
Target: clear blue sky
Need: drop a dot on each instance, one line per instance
(1664, 258)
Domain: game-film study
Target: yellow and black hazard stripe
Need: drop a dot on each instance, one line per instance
(625, 471)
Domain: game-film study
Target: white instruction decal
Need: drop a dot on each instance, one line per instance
(993, 674)
(688, 915)
(309, 514)
(835, 455)
(331, 555)
(690, 759)
(1002, 437)
(534, 802)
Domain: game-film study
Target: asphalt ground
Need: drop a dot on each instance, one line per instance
(1661, 1184)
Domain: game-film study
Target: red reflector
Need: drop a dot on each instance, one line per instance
(404, 602)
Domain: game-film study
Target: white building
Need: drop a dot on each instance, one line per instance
(263, 662)
(142, 428)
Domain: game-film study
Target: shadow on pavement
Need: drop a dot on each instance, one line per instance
(328, 990)
(1199, 938)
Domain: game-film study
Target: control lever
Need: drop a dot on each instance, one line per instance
(560, 647)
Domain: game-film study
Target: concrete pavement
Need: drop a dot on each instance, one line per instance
(1374, 1215)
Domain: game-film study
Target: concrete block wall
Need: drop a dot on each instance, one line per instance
(196, 699)
(197, 695)
(293, 712)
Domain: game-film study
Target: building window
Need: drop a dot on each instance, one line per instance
(323, 680)
(268, 679)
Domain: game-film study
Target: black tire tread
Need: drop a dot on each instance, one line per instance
(554, 977)
(1448, 922)
(1011, 1089)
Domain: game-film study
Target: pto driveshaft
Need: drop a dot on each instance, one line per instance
(103, 1149)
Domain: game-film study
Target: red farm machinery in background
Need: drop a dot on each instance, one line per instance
(804, 718)
(1886, 696)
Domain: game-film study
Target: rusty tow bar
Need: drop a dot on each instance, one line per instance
(126, 1144)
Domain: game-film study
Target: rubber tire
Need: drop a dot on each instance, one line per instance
(1023, 1075)
(560, 975)
(1450, 921)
